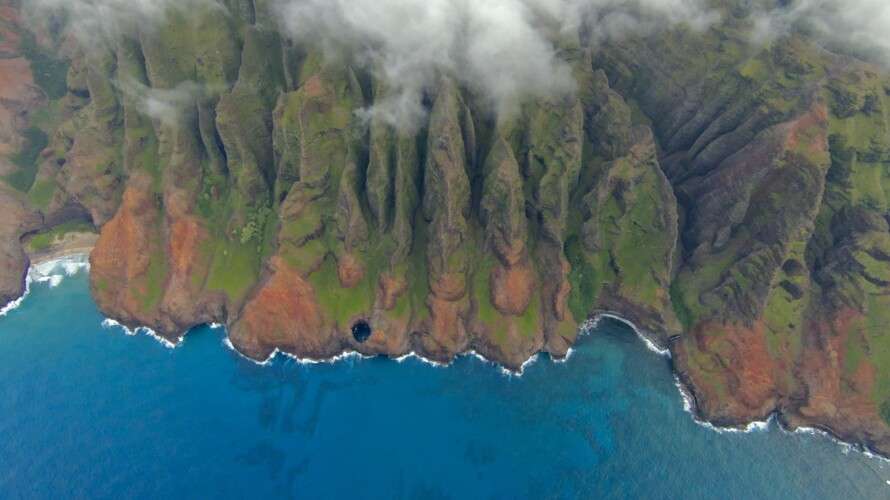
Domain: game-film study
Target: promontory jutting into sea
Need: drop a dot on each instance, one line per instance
(569, 248)
(113, 412)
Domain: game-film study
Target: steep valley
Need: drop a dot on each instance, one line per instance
(730, 199)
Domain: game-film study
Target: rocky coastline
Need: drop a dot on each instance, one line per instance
(653, 342)
(730, 199)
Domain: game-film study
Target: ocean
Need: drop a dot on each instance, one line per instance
(88, 411)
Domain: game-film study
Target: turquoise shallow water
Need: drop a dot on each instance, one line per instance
(87, 411)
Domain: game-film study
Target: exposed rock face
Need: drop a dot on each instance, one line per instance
(17, 220)
(19, 96)
(731, 201)
(284, 314)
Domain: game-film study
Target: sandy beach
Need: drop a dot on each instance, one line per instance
(74, 243)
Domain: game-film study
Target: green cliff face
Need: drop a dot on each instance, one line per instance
(729, 199)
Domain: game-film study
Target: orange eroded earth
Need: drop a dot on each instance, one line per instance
(447, 332)
(391, 288)
(284, 313)
(811, 129)
(512, 288)
(733, 359)
(833, 395)
(9, 38)
(122, 255)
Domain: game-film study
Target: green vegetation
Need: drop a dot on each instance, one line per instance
(885, 411)
(487, 313)
(44, 239)
(631, 222)
(234, 263)
(415, 271)
(49, 71)
(527, 325)
(234, 268)
(26, 159)
(684, 315)
(584, 280)
(255, 228)
(151, 290)
(873, 340)
(698, 133)
(41, 193)
(344, 304)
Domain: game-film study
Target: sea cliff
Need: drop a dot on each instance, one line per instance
(727, 197)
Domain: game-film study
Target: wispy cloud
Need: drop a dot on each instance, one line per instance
(502, 49)
(97, 21)
(165, 105)
(859, 25)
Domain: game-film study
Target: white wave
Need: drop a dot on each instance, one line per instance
(422, 359)
(72, 268)
(565, 358)
(68, 265)
(845, 447)
(474, 354)
(8, 308)
(343, 356)
(585, 328)
(763, 425)
(110, 323)
(51, 272)
(482, 359)
(525, 364)
(228, 343)
(590, 325)
(163, 340)
(292, 357)
(478, 356)
(470, 353)
(689, 407)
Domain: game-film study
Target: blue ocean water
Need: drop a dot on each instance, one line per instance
(87, 411)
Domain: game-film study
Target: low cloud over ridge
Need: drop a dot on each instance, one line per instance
(502, 49)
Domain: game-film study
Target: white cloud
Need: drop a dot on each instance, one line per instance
(502, 49)
(95, 21)
(165, 105)
(856, 24)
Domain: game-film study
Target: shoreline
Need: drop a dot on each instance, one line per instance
(53, 266)
(72, 245)
(774, 418)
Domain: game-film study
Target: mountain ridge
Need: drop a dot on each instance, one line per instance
(728, 199)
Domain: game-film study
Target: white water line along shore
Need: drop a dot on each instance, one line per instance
(54, 271)
(51, 271)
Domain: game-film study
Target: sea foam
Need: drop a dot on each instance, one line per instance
(8, 308)
(590, 325)
(51, 272)
(110, 323)
(689, 407)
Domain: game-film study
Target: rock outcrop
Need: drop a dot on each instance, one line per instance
(731, 200)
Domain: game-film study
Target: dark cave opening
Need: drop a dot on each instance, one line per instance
(361, 330)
